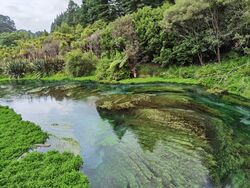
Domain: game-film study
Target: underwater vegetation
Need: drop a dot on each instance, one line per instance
(138, 135)
(215, 128)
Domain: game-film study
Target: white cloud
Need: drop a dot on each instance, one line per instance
(34, 15)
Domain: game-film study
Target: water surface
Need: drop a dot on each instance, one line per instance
(118, 149)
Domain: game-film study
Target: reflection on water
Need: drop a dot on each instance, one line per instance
(118, 150)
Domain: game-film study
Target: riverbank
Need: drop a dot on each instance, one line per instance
(19, 168)
(231, 76)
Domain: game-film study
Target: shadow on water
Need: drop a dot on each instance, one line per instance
(144, 135)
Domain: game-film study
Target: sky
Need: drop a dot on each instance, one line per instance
(34, 15)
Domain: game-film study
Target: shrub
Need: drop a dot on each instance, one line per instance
(149, 70)
(148, 28)
(16, 69)
(165, 57)
(80, 64)
(103, 64)
(114, 68)
(47, 67)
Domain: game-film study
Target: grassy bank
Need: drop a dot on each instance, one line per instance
(19, 169)
(232, 75)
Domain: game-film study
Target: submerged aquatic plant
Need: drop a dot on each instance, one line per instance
(224, 139)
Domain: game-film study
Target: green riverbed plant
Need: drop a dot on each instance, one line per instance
(224, 138)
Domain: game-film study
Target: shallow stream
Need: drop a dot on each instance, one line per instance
(145, 135)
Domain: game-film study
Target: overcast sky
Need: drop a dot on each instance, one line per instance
(34, 15)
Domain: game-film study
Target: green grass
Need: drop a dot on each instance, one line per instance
(19, 168)
(158, 79)
(56, 77)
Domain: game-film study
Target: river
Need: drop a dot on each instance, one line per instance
(166, 140)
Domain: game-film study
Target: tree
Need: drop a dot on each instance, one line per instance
(211, 24)
(185, 19)
(98, 9)
(132, 5)
(6, 24)
(83, 13)
(58, 21)
(149, 31)
(10, 39)
(127, 41)
(71, 15)
(225, 19)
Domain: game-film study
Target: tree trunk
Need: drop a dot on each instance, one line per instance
(218, 54)
(200, 58)
(134, 72)
(216, 28)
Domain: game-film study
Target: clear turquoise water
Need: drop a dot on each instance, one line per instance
(116, 154)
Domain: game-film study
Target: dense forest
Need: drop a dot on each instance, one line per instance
(118, 39)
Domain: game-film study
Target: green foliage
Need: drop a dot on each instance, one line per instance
(47, 67)
(16, 68)
(44, 170)
(132, 5)
(26, 134)
(232, 75)
(114, 68)
(126, 41)
(10, 39)
(102, 67)
(98, 9)
(6, 24)
(70, 17)
(150, 70)
(185, 33)
(80, 64)
(149, 31)
(165, 58)
(91, 11)
(205, 27)
(50, 169)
